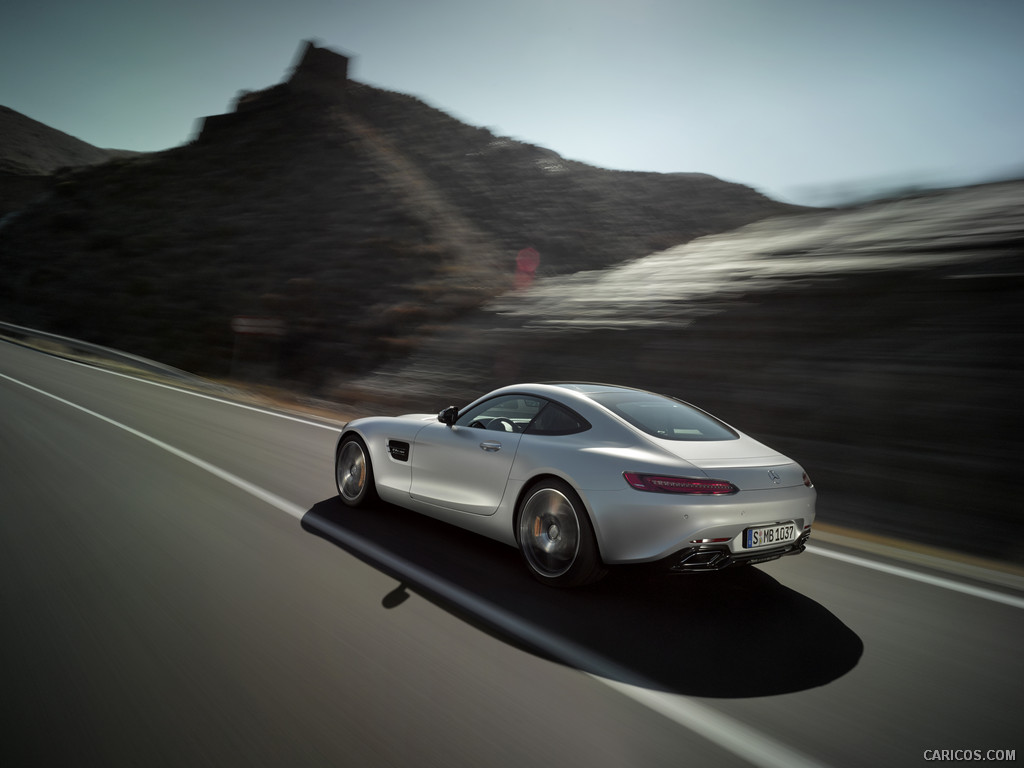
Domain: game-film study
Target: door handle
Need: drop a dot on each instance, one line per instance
(490, 446)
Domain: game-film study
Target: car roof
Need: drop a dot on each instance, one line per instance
(589, 388)
(578, 393)
(581, 393)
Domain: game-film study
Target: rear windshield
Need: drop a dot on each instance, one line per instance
(663, 417)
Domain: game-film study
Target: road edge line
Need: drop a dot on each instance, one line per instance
(273, 499)
(924, 578)
(703, 721)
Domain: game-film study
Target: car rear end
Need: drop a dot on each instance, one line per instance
(691, 491)
(705, 520)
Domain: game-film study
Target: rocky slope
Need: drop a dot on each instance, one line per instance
(31, 152)
(881, 346)
(358, 218)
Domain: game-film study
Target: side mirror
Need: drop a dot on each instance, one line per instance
(448, 415)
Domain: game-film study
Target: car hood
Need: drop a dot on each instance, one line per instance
(417, 417)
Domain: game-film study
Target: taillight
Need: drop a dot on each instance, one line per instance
(690, 485)
(807, 481)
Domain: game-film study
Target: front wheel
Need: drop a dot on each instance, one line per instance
(353, 472)
(556, 538)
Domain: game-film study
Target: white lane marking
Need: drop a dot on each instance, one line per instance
(727, 733)
(747, 743)
(183, 391)
(935, 581)
(722, 730)
(251, 488)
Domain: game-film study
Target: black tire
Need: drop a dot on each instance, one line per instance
(556, 537)
(353, 472)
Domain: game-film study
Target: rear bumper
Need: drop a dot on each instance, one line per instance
(717, 557)
(634, 527)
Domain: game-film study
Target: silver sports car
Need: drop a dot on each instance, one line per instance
(581, 476)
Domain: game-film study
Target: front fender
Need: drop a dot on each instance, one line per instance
(389, 441)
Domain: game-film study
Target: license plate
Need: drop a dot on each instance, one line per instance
(769, 535)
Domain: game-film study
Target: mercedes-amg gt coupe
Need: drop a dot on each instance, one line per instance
(583, 476)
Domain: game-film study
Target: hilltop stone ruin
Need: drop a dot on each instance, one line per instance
(319, 73)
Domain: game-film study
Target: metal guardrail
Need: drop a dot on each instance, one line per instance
(78, 349)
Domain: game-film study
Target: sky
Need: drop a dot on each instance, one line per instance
(806, 101)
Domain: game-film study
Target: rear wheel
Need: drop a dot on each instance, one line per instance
(353, 472)
(556, 538)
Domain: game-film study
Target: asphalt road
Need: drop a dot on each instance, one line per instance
(179, 586)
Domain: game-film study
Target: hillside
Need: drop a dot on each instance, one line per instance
(881, 346)
(359, 218)
(32, 151)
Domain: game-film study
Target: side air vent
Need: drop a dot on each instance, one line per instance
(398, 450)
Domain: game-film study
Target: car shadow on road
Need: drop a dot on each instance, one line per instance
(732, 634)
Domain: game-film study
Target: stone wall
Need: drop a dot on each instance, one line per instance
(319, 72)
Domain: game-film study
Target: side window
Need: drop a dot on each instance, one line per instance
(557, 420)
(511, 413)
